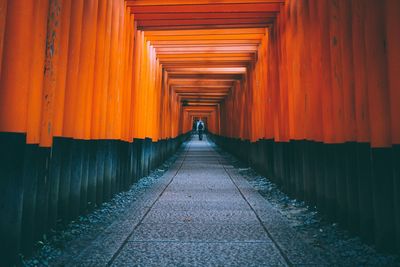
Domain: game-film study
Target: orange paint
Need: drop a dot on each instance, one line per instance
(283, 81)
(62, 70)
(89, 48)
(136, 91)
(360, 72)
(99, 71)
(392, 19)
(336, 50)
(35, 95)
(16, 67)
(349, 123)
(71, 116)
(106, 71)
(52, 68)
(112, 132)
(3, 16)
(315, 32)
(378, 90)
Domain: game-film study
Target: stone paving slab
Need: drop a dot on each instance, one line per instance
(190, 205)
(199, 254)
(201, 188)
(191, 231)
(197, 188)
(201, 216)
(182, 196)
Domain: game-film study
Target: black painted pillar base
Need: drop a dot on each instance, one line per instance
(92, 172)
(76, 178)
(364, 178)
(30, 178)
(330, 157)
(341, 184)
(11, 195)
(320, 179)
(396, 179)
(383, 199)
(352, 193)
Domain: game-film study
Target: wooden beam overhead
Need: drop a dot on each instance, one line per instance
(205, 32)
(221, 70)
(233, 77)
(165, 57)
(205, 65)
(195, 15)
(199, 94)
(197, 91)
(156, 42)
(194, 22)
(222, 81)
(204, 59)
(192, 2)
(202, 98)
(201, 83)
(210, 37)
(195, 103)
(183, 45)
(203, 88)
(220, 49)
(204, 8)
(211, 75)
(200, 109)
(202, 27)
(206, 49)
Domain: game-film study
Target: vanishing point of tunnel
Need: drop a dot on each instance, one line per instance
(100, 97)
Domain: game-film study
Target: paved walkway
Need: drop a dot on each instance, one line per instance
(200, 213)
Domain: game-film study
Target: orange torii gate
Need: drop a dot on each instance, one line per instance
(307, 91)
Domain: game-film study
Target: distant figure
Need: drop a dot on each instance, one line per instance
(200, 129)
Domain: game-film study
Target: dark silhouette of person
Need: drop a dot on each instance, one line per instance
(200, 129)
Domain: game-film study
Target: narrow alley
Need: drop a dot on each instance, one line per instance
(98, 96)
(200, 212)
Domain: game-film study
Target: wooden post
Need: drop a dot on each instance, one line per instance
(16, 60)
(379, 110)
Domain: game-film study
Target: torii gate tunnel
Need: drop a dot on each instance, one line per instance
(96, 93)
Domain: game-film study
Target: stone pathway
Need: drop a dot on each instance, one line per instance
(200, 213)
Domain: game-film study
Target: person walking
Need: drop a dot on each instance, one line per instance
(200, 129)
